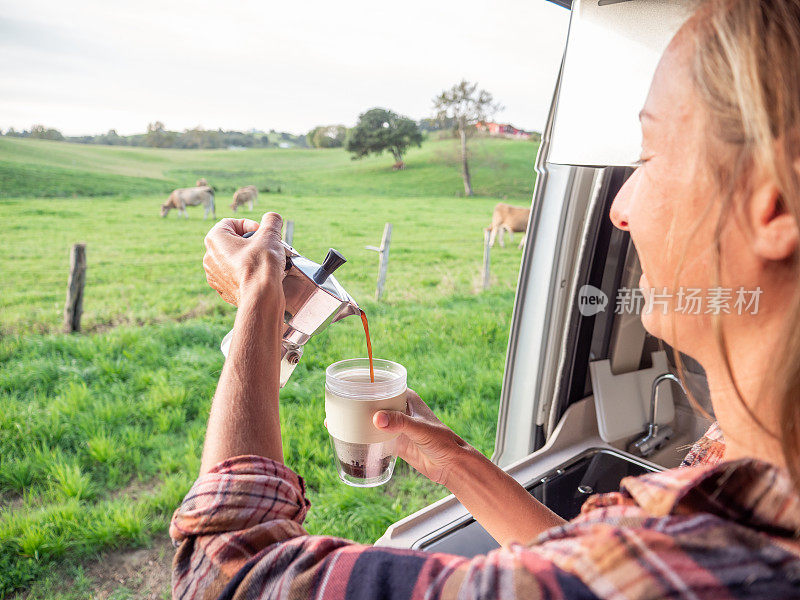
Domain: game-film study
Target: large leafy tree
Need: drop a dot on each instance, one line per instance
(464, 105)
(379, 129)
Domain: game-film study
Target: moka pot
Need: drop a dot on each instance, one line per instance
(314, 299)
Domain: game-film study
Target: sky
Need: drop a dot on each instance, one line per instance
(87, 66)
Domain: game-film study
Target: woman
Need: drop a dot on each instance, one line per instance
(719, 182)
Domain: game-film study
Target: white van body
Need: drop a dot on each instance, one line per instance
(577, 388)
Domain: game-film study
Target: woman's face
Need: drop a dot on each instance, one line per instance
(669, 206)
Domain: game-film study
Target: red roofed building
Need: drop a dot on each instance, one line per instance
(502, 130)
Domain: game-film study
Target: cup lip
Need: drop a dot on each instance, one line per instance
(357, 390)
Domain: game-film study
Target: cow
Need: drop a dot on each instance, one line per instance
(245, 195)
(511, 219)
(193, 196)
(201, 182)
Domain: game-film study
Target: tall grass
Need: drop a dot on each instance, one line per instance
(129, 406)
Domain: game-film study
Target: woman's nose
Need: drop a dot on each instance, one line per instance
(619, 208)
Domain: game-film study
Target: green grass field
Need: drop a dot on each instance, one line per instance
(100, 432)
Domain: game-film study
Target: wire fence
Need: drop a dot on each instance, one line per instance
(35, 275)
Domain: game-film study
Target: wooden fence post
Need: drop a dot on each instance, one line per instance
(77, 279)
(288, 234)
(383, 259)
(486, 258)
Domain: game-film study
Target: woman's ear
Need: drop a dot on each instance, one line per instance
(774, 228)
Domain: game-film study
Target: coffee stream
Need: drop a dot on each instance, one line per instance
(369, 346)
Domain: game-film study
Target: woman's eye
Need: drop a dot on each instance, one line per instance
(641, 161)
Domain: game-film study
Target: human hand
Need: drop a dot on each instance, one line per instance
(425, 442)
(484, 489)
(237, 266)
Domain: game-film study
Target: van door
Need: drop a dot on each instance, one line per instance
(611, 54)
(548, 436)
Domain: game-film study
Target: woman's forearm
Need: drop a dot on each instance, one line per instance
(504, 508)
(244, 414)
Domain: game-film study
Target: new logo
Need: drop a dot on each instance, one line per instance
(591, 300)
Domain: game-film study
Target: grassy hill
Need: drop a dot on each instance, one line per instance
(60, 169)
(101, 432)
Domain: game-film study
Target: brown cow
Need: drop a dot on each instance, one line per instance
(245, 195)
(511, 219)
(201, 182)
(193, 196)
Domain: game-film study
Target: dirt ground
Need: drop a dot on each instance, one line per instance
(143, 573)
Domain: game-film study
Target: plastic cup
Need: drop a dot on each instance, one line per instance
(364, 455)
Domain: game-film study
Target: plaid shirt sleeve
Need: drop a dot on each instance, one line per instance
(708, 450)
(240, 536)
(729, 530)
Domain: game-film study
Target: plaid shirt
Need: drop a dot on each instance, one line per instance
(712, 530)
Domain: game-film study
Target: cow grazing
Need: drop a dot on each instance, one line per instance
(201, 182)
(245, 195)
(193, 196)
(511, 219)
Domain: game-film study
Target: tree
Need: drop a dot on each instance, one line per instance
(40, 132)
(327, 136)
(112, 138)
(379, 129)
(466, 105)
(200, 138)
(158, 137)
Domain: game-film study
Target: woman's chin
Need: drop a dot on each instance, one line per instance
(652, 323)
(651, 320)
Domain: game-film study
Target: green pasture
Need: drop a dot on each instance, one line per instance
(58, 169)
(101, 432)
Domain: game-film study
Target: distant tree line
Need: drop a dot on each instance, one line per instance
(158, 136)
(460, 111)
(39, 132)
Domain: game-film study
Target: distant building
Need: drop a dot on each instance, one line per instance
(503, 130)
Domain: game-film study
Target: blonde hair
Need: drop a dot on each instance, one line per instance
(746, 71)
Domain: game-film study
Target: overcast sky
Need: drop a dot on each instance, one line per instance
(86, 66)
